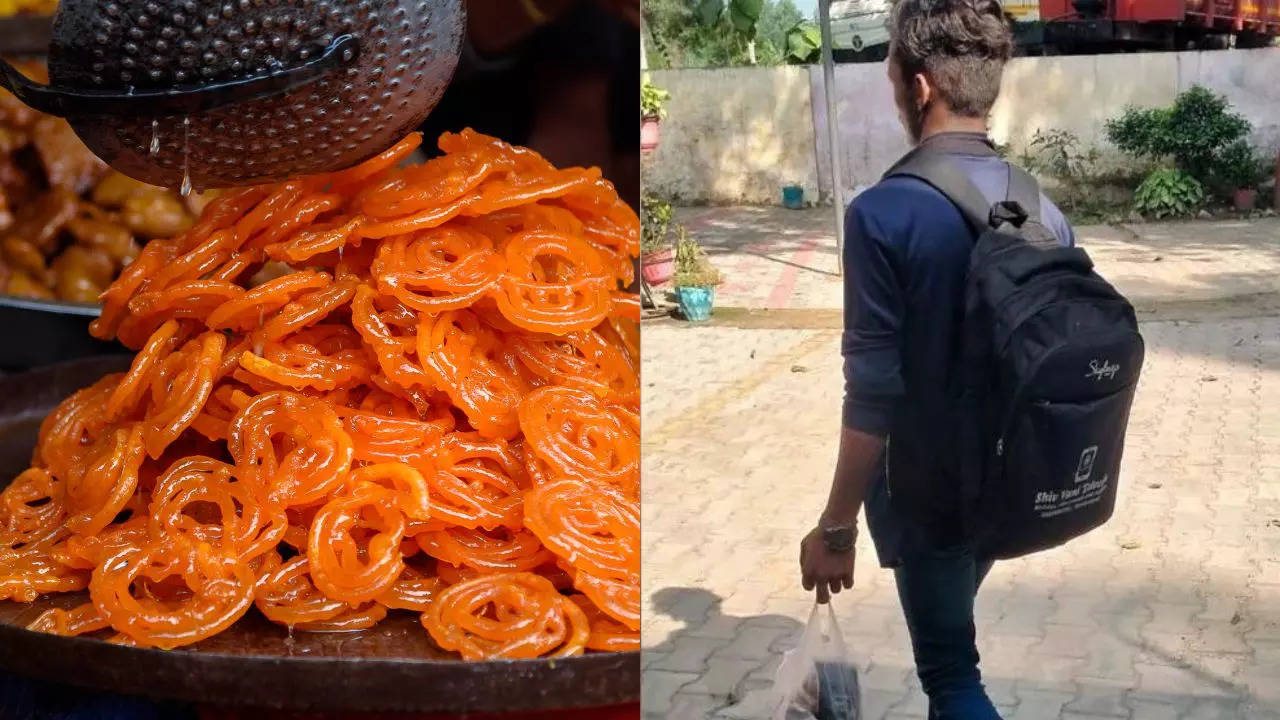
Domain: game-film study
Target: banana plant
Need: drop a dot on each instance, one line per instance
(743, 15)
(804, 43)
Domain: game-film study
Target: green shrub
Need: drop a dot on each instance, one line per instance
(1194, 132)
(1169, 193)
(652, 100)
(693, 269)
(1241, 168)
(1084, 190)
(655, 224)
(1057, 153)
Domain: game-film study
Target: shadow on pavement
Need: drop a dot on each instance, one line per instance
(765, 233)
(708, 645)
(691, 674)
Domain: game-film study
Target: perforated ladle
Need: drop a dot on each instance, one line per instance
(243, 91)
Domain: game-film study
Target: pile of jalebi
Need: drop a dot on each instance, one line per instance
(431, 405)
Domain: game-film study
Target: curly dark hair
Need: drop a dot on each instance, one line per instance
(962, 45)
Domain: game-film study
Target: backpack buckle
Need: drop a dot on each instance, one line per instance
(1007, 211)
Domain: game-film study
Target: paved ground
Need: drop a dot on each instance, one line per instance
(786, 259)
(1171, 611)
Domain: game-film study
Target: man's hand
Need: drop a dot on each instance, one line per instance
(828, 571)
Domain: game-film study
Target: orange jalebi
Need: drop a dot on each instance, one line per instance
(406, 389)
(510, 615)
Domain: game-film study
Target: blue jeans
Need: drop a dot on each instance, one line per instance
(937, 588)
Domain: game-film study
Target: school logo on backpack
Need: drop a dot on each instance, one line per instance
(1049, 362)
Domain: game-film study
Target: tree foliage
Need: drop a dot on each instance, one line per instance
(804, 44)
(718, 33)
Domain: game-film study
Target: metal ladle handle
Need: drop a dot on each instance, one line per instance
(64, 102)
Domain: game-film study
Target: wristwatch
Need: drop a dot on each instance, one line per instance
(838, 538)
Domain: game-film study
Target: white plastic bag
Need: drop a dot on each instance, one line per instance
(818, 680)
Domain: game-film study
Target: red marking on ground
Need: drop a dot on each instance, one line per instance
(746, 254)
(781, 293)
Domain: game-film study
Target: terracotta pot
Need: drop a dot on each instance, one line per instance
(658, 267)
(649, 135)
(1246, 199)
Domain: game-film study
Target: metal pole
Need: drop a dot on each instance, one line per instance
(644, 60)
(833, 130)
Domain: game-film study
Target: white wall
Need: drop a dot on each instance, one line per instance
(733, 135)
(1076, 93)
(737, 136)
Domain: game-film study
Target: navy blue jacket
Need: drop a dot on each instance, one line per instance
(906, 256)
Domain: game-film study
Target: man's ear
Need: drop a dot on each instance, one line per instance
(922, 91)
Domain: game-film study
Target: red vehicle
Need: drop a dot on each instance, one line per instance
(1093, 25)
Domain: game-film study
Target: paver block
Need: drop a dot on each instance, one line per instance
(1047, 673)
(722, 677)
(894, 678)
(1063, 641)
(1001, 652)
(649, 657)
(1171, 618)
(1077, 609)
(693, 706)
(914, 705)
(756, 704)
(1100, 697)
(1156, 682)
(1111, 657)
(687, 603)
(1219, 637)
(1221, 608)
(1024, 614)
(658, 688)
(876, 703)
(1156, 710)
(1214, 709)
(1166, 648)
(752, 642)
(689, 654)
(1040, 704)
(717, 626)
(1160, 619)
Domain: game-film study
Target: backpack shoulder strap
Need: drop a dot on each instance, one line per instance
(943, 175)
(1024, 190)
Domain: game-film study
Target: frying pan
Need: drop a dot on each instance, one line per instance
(43, 332)
(393, 667)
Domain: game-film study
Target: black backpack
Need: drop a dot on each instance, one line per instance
(1048, 365)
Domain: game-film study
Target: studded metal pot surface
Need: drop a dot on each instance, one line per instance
(405, 52)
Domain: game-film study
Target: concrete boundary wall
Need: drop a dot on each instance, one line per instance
(735, 136)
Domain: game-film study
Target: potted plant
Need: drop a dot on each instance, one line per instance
(695, 280)
(652, 99)
(657, 254)
(1240, 171)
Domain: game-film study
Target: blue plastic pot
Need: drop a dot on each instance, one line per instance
(793, 197)
(695, 302)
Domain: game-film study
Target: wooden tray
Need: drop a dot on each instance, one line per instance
(393, 667)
